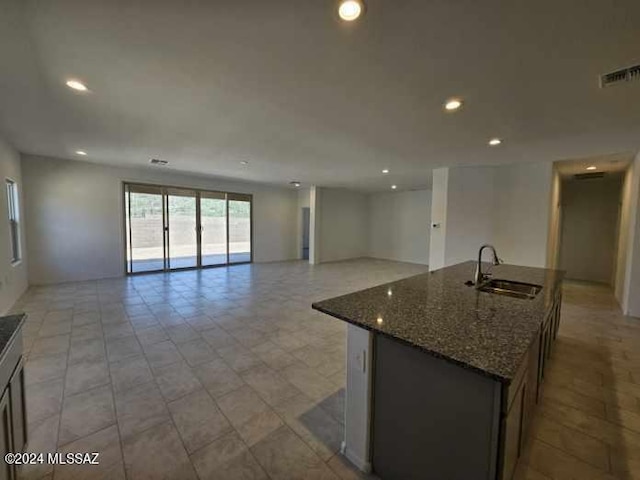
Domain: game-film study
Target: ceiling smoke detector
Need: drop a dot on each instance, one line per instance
(160, 163)
(295, 184)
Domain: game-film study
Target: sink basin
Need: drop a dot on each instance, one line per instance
(511, 288)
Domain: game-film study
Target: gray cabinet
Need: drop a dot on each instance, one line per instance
(522, 403)
(13, 420)
(6, 471)
(513, 425)
(18, 408)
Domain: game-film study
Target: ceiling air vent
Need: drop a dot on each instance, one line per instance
(624, 75)
(161, 163)
(589, 176)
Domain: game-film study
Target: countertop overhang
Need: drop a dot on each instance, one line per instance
(9, 327)
(437, 313)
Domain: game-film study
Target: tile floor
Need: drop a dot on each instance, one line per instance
(227, 374)
(587, 426)
(222, 373)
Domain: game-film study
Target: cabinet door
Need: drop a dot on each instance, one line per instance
(18, 410)
(6, 471)
(513, 433)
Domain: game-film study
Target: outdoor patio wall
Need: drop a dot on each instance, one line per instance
(74, 216)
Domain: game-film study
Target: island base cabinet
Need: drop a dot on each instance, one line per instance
(6, 470)
(18, 409)
(513, 429)
(13, 420)
(431, 418)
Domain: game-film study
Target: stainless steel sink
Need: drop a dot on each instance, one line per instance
(511, 288)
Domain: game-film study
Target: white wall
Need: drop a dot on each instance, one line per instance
(521, 213)
(507, 206)
(75, 216)
(631, 295)
(590, 228)
(555, 221)
(344, 224)
(438, 237)
(304, 201)
(399, 226)
(13, 278)
(626, 209)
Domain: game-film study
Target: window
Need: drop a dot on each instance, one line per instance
(169, 228)
(14, 220)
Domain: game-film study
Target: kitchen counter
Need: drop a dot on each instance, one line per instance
(9, 328)
(13, 412)
(437, 313)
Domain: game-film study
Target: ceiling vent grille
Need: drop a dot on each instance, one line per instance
(589, 176)
(161, 163)
(624, 75)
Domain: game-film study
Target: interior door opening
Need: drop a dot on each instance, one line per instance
(306, 215)
(170, 228)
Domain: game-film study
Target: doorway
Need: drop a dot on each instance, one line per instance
(590, 227)
(172, 228)
(306, 216)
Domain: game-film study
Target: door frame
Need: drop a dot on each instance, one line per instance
(126, 233)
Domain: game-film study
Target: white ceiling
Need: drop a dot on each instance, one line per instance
(301, 96)
(616, 163)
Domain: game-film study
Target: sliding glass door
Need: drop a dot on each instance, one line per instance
(145, 228)
(239, 228)
(171, 228)
(182, 228)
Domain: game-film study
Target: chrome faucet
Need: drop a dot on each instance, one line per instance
(479, 276)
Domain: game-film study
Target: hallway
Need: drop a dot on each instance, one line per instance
(588, 425)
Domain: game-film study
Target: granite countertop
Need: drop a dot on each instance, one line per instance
(439, 314)
(9, 326)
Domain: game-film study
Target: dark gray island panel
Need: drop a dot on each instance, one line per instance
(13, 415)
(431, 419)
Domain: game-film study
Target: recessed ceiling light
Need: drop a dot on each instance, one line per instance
(244, 162)
(453, 104)
(77, 85)
(386, 170)
(592, 167)
(393, 187)
(494, 142)
(81, 153)
(295, 184)
(350, 10)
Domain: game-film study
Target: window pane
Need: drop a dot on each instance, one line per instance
(14, 226)
(213, 218)
(239, 231)
(183, 243)
(146, 229)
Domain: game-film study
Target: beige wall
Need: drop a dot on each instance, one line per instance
(13, 278)
(75, 216)
(631, 292)
(590, 211)
(555, 221)
(343, 226)
(399, 226)
(507, 206)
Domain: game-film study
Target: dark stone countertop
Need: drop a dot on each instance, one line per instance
(439, 314)
(9, 326)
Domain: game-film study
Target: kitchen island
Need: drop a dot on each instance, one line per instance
(13, 414)
(442, 378)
